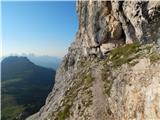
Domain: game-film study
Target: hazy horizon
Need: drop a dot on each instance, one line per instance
(39, 28)
(30, 54)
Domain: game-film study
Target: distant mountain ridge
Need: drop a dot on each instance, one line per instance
(45, 61)
(24, 86)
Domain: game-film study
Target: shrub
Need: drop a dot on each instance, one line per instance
(154, 57)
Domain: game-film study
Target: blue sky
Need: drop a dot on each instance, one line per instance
(42, 28)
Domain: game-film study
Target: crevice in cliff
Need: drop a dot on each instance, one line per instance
(126, 25)
(145, 11)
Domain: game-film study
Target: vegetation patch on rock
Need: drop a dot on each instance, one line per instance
(122, 55)
(83, 83)
(154, 57)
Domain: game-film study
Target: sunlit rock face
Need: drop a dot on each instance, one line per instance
(108, 24)
(107, 74)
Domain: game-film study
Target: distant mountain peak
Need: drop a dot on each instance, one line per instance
(27, 83)
(16, 59)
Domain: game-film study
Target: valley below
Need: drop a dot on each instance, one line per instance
(25, 87)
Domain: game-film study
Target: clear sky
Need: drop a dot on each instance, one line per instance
(41, 28)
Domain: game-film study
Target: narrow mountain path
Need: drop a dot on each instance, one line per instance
(99, 98)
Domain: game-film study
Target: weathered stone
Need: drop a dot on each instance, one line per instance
(108, 21)
(130, 74)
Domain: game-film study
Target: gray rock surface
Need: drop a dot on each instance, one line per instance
(130, 74)
(118, 22)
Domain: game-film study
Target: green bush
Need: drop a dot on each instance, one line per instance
(62, 115)
(88, 80)
(154, 57)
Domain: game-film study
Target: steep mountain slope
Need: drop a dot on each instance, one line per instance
(24, 87)
(112, 70)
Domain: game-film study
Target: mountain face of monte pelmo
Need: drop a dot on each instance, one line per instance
(25, 87)
(112, 69)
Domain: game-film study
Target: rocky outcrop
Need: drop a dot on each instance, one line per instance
(108, 74)
(107, 24)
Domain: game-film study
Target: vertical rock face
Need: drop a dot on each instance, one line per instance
(107, 24)
(124, 85)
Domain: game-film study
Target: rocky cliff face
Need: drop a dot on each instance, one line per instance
(109, 73)
(107, 24)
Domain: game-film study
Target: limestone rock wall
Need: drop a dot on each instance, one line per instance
(108, 24)
(131, 92)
